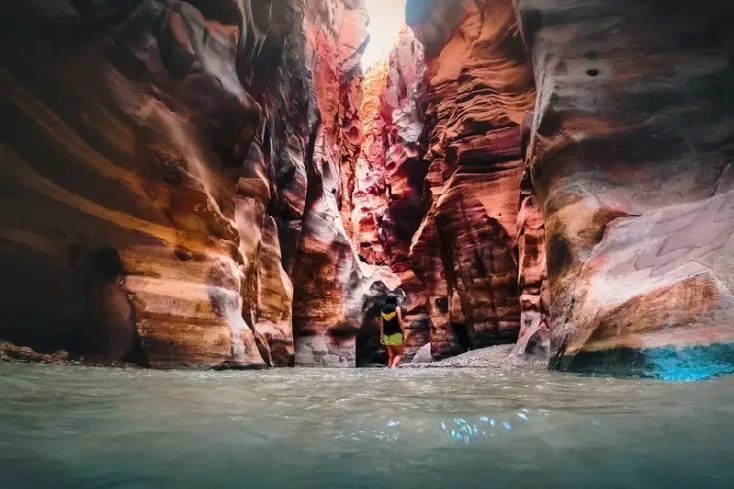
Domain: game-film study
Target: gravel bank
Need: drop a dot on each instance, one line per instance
(491, 357)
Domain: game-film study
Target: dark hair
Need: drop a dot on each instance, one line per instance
(391, 300)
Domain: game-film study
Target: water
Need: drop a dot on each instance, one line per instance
(84, 428)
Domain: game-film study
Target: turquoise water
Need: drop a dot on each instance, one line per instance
(84, 428)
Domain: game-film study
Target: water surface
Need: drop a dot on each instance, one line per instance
(85, 428)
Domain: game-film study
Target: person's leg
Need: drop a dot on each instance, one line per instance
(397, 356)
(390, 355)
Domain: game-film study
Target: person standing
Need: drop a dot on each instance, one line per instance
(392, 331)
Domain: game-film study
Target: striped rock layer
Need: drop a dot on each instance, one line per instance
(170, 180)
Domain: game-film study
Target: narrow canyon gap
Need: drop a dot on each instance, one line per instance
(226, 183)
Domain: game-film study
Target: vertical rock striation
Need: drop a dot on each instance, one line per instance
(405, 172)
(534, 337)
(480, 85)
(369, 196)
(335, 292)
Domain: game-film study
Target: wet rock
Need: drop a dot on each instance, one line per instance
(423, 355)
(61, 355)
(495, 357)
(13, 353)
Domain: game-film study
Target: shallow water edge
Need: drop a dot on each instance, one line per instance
(88, 427)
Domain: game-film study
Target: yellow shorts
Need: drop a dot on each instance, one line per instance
(392, 340)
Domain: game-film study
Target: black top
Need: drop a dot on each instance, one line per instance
(390, 322)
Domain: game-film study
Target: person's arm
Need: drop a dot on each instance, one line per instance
(400, 320)
(381, 332)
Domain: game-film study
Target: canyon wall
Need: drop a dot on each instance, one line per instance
(532, 269)
(388, 202)
(125, 125)
(631, 157)
(217, 183)
(438, 195)
(171, 180)
(336, 293)
(480, 85)
(594, 220)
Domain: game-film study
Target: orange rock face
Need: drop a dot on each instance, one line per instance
(369, 196)
(534, 334)
(335, 292)
(173, 182)
(119, 177)
(217, 183)
(442, 167)
(625, 183)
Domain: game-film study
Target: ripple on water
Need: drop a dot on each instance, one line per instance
(301, 428)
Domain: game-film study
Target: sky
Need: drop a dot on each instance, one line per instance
(386, 19)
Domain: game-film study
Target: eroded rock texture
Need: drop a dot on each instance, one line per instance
(215, 182)
(335, 292)
(534, 337)
(631, 155)
(172, 178)
(405, 171)
(125, 128)
(369, 196)
(480, 85)
(388, 203)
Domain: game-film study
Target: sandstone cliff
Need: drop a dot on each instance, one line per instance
(630, 155)
(442, 167)
(172, 180)
(388, 202)
(335, 292)
(624, 185)
(125, 128)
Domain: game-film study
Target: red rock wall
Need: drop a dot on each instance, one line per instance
(388, 205)
(335, 290)
(119, 177)
(480, 85)
(442, 167)
(270, 208)
(631, 157)
(405, 171)
(173, 180)
(206, 182)
(369, 195)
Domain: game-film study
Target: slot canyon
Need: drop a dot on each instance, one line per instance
(223, 184)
